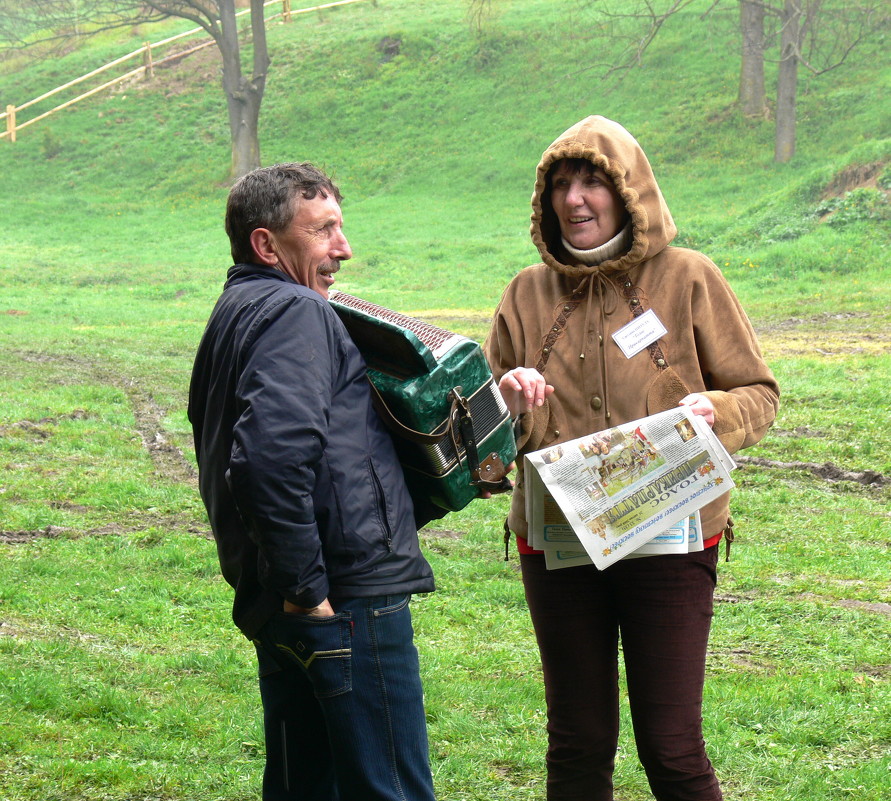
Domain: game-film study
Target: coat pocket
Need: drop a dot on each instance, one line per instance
(534, 430)
(665, 391)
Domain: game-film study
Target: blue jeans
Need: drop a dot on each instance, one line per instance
(343, 705)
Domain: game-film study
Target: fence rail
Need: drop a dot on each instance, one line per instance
(146, 69)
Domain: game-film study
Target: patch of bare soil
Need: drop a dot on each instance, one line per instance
(747, 660)
(826, 471)
(875, 607)
(854, 177)
(41, 428)
(178, 70)
(840, 335)
(140, 523)
(721, 598)
(20, 631)
(8, 630)
(442, 534)
(15, 537)
(817, 319)
(800, 431)
(170, 462)
(867, 606)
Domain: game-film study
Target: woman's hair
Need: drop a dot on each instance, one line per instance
(574, 166)
(265, 198)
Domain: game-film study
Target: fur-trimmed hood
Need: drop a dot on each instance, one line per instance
(607, 145)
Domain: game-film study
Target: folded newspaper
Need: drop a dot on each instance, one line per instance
(631, 490)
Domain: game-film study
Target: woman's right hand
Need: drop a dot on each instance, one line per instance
(523, 388)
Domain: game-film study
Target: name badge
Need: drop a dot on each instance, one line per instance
(640, 332)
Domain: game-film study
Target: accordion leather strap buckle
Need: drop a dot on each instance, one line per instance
(490, 474)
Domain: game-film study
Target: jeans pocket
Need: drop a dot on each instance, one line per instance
(320, 646)
(395, 603)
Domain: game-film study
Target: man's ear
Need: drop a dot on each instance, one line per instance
(263, 243)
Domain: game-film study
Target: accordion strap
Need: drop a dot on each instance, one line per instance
(397, 425)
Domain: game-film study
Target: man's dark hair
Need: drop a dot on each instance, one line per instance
(265, 198)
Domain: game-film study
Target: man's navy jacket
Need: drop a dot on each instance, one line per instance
(301, 482)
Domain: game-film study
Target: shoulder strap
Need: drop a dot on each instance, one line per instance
(637, 309)
(559, 325)
(397, 425)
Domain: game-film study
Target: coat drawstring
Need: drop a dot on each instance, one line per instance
(604, 285)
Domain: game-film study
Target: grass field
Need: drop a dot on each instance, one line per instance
(121, 676)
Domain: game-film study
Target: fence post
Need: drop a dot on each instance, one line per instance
(286, 10)
(10, 122)
(147, 61)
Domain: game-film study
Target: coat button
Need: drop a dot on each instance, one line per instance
(596, 402)
(660, 362)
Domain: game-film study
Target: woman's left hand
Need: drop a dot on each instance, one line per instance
(701, 405)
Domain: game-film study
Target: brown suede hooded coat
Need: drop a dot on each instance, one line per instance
(559, 316)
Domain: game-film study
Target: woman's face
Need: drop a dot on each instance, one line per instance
(587, 205)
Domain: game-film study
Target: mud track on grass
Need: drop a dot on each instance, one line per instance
(827, 471)
(831, 337)
(169, 462)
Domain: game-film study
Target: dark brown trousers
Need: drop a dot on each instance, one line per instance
(660, 608)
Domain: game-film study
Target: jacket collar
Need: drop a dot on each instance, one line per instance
(239, 273)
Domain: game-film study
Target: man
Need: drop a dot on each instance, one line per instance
(314, 526)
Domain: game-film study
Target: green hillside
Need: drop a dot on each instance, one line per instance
(435, 145)
(120, 674)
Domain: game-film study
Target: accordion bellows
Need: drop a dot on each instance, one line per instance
(434, 388)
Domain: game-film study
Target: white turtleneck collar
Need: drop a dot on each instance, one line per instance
(616, 246)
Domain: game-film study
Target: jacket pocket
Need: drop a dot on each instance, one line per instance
(381, 504)
(665, 391)
(535, 429)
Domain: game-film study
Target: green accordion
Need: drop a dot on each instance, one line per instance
(434, 390)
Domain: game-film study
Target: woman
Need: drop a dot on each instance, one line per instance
(603, 231)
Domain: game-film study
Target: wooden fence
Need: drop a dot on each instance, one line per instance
(146, 69)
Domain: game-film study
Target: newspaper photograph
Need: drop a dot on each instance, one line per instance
(633, 488)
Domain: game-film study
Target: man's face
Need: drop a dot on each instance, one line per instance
(311, 248)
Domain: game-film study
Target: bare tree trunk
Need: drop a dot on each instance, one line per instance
(787, 81)
(243, 96)
(244, 112)
(752, 93)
